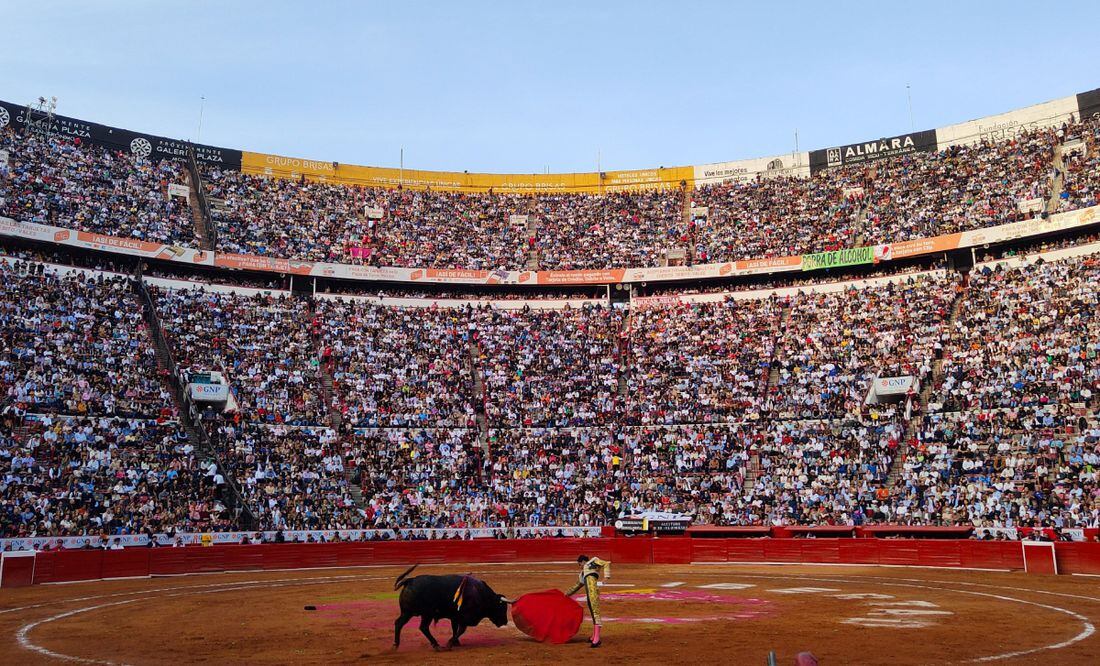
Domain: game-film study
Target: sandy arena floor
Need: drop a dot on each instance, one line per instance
(696, 614)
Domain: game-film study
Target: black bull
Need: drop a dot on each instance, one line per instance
(464, 600)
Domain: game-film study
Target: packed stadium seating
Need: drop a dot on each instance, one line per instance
(740, 411)
(100, 475)
(76, 344)
(65, 182)
(349, 413)
(69, 183)
(264, 345)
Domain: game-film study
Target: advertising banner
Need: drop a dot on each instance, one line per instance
(847, 257)
(871, 151)
(655, 521)
(895, 385)
(209, 392)
(278, 166)
(147, 146)
(1088, 104)
(176, 190)
(1005, 126)
(795, 165)
(837, 258)
(91, 241)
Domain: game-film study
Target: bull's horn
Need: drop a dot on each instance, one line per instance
(507, 600)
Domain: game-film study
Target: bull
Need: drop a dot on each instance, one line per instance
(464, 600)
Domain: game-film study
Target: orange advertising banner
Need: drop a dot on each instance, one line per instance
(278, 166)
(912, 248)
(769, 263)
(581, 277)
(251, 262)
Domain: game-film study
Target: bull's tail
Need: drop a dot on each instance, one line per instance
(402, 579)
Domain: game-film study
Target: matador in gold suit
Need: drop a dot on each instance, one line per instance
(592, 570)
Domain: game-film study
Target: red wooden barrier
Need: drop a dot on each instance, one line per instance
(57, 566)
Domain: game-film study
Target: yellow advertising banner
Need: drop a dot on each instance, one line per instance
(278, 166)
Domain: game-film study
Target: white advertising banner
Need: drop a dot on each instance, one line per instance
(375, 213)
(209, 392)
(195, 539)
(176, 190)
(1032, 227)
(895, 385)
(93, 241)
(1004, 126)
(791, 164)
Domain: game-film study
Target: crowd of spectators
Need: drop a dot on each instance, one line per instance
(429, 477)
(770, 216)
(1028, 336)
(1010, 468)
(287, 218)
(699, 363)
(409, 367)
(1081, 183)
(971, 186)
(90, 475)
(67, 182)
(833, 345)
(292, 478)
(739, 411)
(76, 343)
(265, 346)
(549, 367)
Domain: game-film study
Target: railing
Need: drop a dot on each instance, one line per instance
(200, 194)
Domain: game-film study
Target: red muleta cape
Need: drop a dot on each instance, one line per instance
(548, 616)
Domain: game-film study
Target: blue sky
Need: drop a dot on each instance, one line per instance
(528, 86)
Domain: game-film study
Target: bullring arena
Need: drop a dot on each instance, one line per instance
(826, 405)
(702, 612)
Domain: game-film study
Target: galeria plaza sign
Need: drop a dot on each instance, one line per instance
(847, 257)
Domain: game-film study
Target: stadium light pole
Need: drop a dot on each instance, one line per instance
(909, 96)
(202, 105)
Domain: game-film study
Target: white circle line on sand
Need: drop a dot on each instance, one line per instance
(735, 565)
(22, 634)
(1087, 627)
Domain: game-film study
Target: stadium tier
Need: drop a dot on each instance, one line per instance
(936, 387)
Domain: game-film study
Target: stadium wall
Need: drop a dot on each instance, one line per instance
(78, 565)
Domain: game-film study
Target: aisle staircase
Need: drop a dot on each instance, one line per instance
(685, 220)
(1057, 179)
(912, 426)
(335, 416)
(205, 228)
(773, 372)
(199, 220)
(859, 218)
(479, 395)
(622, 390)
(188, 414)
(532, 262)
